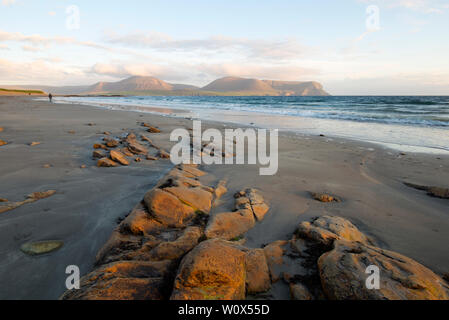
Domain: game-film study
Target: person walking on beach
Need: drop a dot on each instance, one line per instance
(50, 97)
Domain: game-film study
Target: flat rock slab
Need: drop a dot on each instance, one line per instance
(41, 247)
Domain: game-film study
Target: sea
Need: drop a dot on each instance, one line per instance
(406, 123)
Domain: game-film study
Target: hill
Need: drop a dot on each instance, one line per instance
(137, 85)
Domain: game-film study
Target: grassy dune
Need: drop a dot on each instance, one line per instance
(19, 92)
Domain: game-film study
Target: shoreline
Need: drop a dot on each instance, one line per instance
(397, 139)
(83, 213)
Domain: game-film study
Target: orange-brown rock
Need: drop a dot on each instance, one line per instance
(151, 158)
(300, 292)
(230, 225)
(257, 273)
(326, 229)
(34, 143)
(323, 197)
(151, 129)
(99, 146)
(140, 222)
(251, 199)
(98, 154)
(145, 138)
(2, 143)
(41, 195)
(35, 196)
(124, 280)
(343, 275)
(136, 148)
(196, 197)
(127, 153)
(116, 246)
(167, 208)
(214, 270)
(176, 249)
(274, 253)
(111, 143)
(163, 154)
(106, 162)
(192, 170)
(220, 189)
(119, 157)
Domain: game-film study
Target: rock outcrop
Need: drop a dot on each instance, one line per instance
(214, 270)
(343, 275)
(168, 248)
(250, 207)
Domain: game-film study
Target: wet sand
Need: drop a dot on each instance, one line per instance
(88, 202)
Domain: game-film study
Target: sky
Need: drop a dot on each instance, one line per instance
(352, 47)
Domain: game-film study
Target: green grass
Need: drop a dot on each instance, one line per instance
(22, 91)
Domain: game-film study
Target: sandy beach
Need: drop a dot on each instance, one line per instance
(90, 201)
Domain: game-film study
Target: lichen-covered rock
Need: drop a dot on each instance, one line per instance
(196, 197)
(116, 246)
(326, 229)
(167, 208)
(257, 273)
(41, 247)
(252, 200)
(176, 249)
(139, 222)
(343, 275)
(214, 270)
(230, 225)
(124, 280)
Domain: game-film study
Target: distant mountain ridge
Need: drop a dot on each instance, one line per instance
(138, 85)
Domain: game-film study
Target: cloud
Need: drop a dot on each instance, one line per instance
(30, 48)
(202, 73)
(39, 40)
(8, 2)
(423, 6)
(255, 48)
(38, 71)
